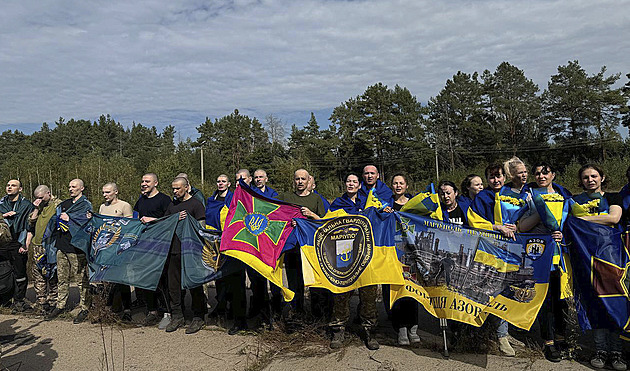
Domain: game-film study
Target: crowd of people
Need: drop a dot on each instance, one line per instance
(41, 226)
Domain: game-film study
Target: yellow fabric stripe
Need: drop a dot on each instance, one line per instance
(384, 268)
(493, 261)
(273, 275)
(476, 221)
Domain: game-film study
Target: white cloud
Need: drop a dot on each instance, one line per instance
(142, 60)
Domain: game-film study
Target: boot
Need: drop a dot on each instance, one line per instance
(337, 339)
(403, 338)
(370, 342)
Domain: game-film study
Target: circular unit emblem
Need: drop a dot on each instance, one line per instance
(535, 248)
(256, 223)
(344, 247)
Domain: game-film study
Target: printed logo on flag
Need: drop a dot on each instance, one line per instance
(344, 252)
(105, 236)
(344, 247)
(256, 223)
(535, 247)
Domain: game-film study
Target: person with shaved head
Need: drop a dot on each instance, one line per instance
(371, 180)
(152, 205)
(113, 206)
(312, 207)
(71, 262)
(44, 277)
(196, 193)
(15, 209)
(260, 181)
(185, 205)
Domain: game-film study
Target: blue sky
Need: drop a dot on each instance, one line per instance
(177, 62)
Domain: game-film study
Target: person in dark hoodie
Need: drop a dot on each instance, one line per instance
(552, 313)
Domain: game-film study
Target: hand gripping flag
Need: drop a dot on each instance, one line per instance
(503, 207)
(348, 252)
(426, 204)
(256, 230)
(600, 262)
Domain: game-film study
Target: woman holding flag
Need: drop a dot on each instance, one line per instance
(605, 208)
(404, 312)
(498, 208)
(549, 205)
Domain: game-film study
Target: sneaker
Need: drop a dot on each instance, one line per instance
(552, 354)
(195, 325)
(126, 317)
(175, 323)
(370, 342)
(150, 320)
(53, 314)
(403, 338)
(599, 359)
(413, 334)
(337, 340)
(80, 317)
(238, 327)
(617, 362)
(164, 321)
(505, 347)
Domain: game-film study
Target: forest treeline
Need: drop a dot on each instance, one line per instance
(477, 118)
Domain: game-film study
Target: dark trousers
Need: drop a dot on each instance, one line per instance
(125, 295)
(174, 269)
(19, 270)
(553, 310)
(232, 288)
(404, 312)
(259, 301)
(293, 265)
(151, 298)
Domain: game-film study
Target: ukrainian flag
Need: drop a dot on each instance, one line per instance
(586, 204)
(503, 207)
(501, 259)
(425, 204)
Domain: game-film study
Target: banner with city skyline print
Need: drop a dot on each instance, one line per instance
(465, 274)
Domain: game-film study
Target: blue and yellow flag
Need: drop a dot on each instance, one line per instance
(217, 210)
(586, 204)
(495, 255)
(426, 204)
(600, 262)
(348, 252)
(466, 274)
(503, 207)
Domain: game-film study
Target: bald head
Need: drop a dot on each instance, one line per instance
(260, 178)
(14, 187)
(42, 195)
(245, 175)
(300, 181)
(75, 188)
(370, 175)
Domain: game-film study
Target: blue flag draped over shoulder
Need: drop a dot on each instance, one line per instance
(503, 207)
(124, 250)
(426, 204)
(18, 223)
(600, 263)
(216, 211)
(466, 274)
(77, 214)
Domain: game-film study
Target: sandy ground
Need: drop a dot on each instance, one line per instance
(30, 343)
(34, 344)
